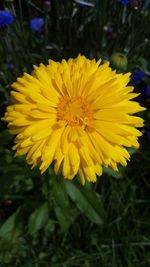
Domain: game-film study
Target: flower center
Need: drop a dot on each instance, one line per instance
(75, 111)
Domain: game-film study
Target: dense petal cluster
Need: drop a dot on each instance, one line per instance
(77, 114)
(6, 18)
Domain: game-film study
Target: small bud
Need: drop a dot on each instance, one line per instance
(119, 61)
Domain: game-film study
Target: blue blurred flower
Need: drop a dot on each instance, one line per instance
(138, 76)
(147, 91)
(10, 66)
(37, 24)
(6, 18)
(124, 2)
(147, 132)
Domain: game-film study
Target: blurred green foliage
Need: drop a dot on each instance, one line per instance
(45, 219)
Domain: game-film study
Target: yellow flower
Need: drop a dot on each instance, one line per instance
(77, 114)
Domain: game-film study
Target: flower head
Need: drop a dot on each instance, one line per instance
(77, 114)
(147, 91)
(10, 66)
(138, 76)
(124, 2)
(37, 24)
(6, 18)
(147, 131)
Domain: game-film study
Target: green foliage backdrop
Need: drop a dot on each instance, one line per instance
(45, 219)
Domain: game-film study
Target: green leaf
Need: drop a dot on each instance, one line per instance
(9, 225)
(63, 218)
(64, 212)
(86, 200)
(38, 219)
(59, 192)
(114, 174)
(10, 232)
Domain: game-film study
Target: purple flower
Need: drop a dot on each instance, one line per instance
(147, 91)
(138, 76)
(6, 18)
(124, 2)
(37, 24)
(10, 66)
(147, 132)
